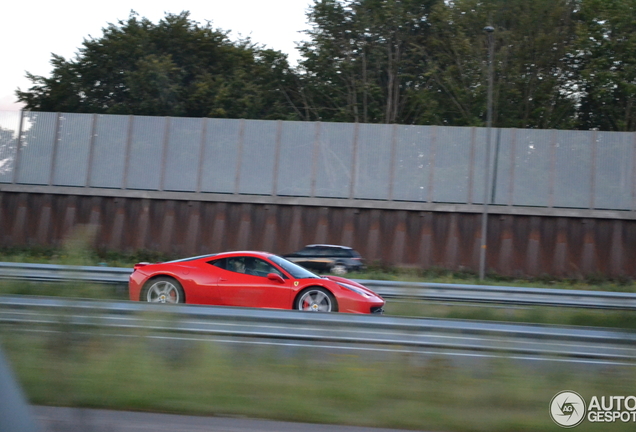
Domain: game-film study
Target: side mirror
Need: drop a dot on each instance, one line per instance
(275, 277)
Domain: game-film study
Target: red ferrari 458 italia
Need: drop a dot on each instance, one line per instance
(252, 279)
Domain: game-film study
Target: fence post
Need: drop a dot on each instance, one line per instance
(513, 163)
(495, 167)
(131, 121)
(91, 146)
(634, 172)
(392, 162)
(56, 139)
(204, 132)
(239, 158)
(431, 174)
(471, 165)
(593, 168)
(164, 153)
(314, 160)
(279, 132)
(354, 162)
(552, 173)
(17, 148)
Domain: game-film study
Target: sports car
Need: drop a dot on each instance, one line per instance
(249, 279)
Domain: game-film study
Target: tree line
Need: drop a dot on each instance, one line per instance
(563, 64)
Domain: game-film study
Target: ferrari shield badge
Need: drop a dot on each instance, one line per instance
(295, 283)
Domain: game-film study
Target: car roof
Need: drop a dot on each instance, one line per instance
(328, 245)
(223, 255)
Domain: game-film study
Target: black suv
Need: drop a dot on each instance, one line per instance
(338, 260)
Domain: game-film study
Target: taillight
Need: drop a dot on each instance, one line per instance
(140, 265)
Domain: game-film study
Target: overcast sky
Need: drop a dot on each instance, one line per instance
(31, 30)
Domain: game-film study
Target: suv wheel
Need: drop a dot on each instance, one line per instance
(339, 269)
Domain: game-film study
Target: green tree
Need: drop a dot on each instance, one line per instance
(531, 40)
(176, 67)
(605, 64)
(359, 64)
(424, 61)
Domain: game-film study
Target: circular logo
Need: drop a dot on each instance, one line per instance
(567, 409)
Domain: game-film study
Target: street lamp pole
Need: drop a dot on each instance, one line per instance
(487, 177)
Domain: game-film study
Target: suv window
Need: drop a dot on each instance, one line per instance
(340, 252)
(308, 251)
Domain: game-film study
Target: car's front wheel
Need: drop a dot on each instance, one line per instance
(163, 290)
(316, 299)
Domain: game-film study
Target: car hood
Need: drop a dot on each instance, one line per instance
(354, 283)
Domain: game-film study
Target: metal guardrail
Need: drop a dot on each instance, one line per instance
(63, 273)
(345, 331)
(504, 295)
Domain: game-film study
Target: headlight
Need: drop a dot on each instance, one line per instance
(354, 289)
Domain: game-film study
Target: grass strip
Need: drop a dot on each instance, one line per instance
(79, 369)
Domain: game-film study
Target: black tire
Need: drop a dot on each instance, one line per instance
(316, 299)
(163, 289)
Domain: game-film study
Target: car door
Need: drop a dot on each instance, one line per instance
(200, 282)
(243, 282)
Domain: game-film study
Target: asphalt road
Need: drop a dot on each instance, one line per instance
(54, 419)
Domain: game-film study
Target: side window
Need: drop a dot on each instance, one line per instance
(259, 267)
(236, 264)
(233, 264)
(247, 265)
(220, 263)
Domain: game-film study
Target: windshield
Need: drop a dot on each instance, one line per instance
(294, 270)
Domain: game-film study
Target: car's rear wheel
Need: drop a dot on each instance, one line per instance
(163, 290)
(339, 269)
(316, 299)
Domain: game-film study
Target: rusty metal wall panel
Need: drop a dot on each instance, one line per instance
(518, 245)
